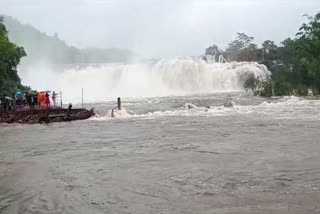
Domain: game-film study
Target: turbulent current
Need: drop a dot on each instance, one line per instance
(204, 150)
(180, 76)
(224, 153)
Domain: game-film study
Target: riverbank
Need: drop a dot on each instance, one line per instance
(44, 115)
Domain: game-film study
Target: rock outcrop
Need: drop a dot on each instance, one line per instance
(44, 116)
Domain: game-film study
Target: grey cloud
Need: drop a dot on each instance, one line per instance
(161, 28)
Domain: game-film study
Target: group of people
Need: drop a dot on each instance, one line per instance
(5, 103)
(26, 99)
(30, 100)
(43, 99)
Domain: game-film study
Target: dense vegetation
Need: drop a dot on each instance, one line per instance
(41, 47)
(295, 64)
(10, 55)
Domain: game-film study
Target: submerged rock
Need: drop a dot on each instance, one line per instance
(190, 106)
(228, 104)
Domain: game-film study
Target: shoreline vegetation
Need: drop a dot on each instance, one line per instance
(10, 56)
(295, 64)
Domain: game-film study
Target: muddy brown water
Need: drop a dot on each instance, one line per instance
(259, 156)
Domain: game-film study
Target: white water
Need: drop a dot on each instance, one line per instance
(282, 108)
(180, 76)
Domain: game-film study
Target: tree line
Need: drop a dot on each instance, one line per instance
(10, 55)
(294, 64)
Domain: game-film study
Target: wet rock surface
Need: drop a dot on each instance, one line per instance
(43, 116)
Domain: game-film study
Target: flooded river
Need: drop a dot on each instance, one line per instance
(168, 155)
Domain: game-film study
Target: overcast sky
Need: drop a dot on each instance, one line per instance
(161, 28)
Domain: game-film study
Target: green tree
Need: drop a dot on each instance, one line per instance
(308, 49)
(10, 55)
(213, 50)
(269, 45)
(241, 42)
(287, 51)
(258, 86)
(251, 82)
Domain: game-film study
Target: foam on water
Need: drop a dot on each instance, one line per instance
(179, 76)
(122, 114)
(285, 108)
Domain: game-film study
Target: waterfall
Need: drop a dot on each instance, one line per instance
(166, 77)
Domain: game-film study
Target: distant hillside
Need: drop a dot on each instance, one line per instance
(40, 46)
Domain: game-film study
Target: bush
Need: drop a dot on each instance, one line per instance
(282, 88)
(267, 88)
(301, 90)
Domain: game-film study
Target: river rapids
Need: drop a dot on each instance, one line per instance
(184, 142)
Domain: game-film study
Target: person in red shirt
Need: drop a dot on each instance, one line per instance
(47, 100)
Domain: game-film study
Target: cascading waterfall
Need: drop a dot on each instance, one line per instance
(179, 76)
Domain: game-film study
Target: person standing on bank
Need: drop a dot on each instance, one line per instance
(54, 98)
(4, 103)
(32, 101)
(47, 100)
